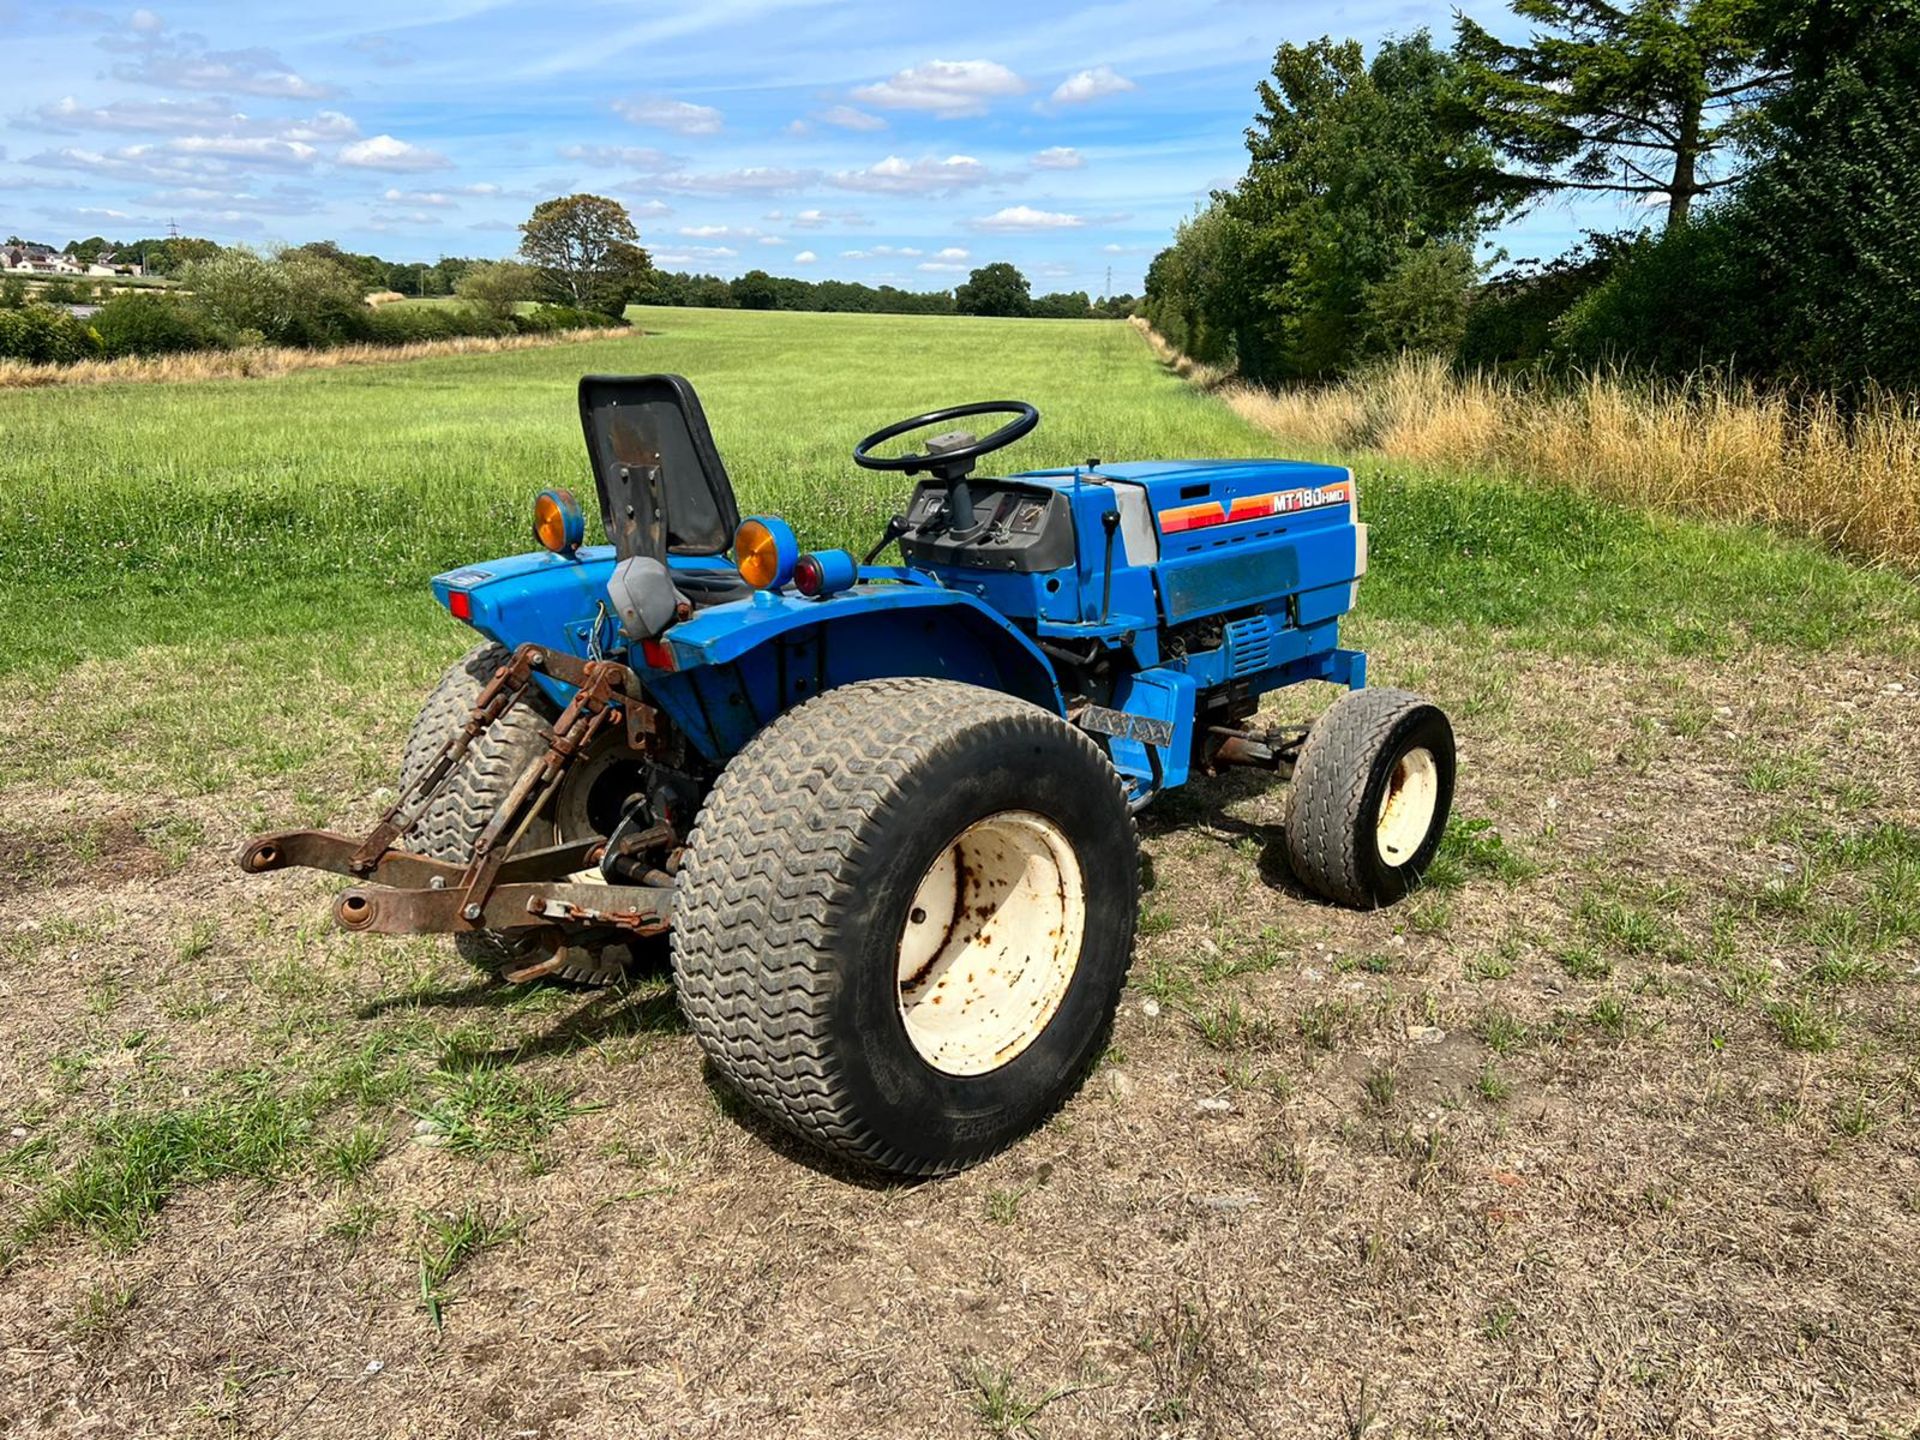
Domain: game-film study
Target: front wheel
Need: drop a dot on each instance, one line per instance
(1371, 793)
(905, 918)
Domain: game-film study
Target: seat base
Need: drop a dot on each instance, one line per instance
(706, 587)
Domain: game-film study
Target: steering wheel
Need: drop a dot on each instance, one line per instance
(949, 464)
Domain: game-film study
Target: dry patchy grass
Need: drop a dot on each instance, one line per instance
(1724, 451)
(265, 361)
(1613, 1124)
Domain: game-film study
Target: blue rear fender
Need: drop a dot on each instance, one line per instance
(741, 665)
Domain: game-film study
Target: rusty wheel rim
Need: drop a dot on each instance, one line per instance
(990, 943)
(1407, 806)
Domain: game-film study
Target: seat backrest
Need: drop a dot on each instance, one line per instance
(662, 487)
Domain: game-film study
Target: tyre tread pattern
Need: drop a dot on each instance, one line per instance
(774, 862)
(475, 787)
(1324, 829)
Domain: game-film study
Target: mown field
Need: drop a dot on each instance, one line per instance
(1610, 1130)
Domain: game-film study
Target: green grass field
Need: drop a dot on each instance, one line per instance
(321, 501)
(1619, 1115)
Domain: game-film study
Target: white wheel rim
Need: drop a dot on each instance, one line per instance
(990, 942)
(1407, 806)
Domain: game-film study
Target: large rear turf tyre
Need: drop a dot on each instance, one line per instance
(1371, 793)
(905, 918)
(474, 790)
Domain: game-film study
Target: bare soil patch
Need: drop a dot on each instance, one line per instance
(106, 853)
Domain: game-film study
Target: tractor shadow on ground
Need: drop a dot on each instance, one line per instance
(1200, 807)
(642, 1005)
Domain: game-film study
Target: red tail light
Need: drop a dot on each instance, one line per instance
(658, 654)
(460, 604)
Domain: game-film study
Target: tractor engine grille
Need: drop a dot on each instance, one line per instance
(1249, 645)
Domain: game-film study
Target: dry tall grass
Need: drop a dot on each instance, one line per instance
(1797, 463)
(268, 360)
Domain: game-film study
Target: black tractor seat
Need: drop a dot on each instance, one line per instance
(710, 587)
(663, 490)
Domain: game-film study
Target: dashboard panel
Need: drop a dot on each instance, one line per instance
(1022, 529)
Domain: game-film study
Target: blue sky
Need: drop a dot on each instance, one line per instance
(869, 141)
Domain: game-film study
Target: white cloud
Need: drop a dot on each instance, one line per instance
(1091, 84)
(182, 62)
(439, 199)
(848, 118)
(38, 183)
(255, 150)
(643, 158)
(752, 180)
(188, 159)
(948, 88)
(927, 176)
(327, 125)
(411, 220)
(194, 199)
(167, 117)
(126, 164)
(950, 259)
(877, 251)
(821, 219)
(1058, 157)
(383, 152)
(190, 117)
(805, 257)
(680, 116)
(1025, 217)
(694, 254)
(773, 239)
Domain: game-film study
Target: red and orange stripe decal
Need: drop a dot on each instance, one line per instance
(1254, 507)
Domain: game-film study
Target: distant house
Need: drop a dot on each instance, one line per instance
(45, 260)
(38, 260)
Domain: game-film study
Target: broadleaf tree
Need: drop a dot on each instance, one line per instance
(1352, 166)
(587, 251)
(1832, 213)
(996, 289)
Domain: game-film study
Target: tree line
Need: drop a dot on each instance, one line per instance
(995, 289)
(166, 256)
(1776, 140)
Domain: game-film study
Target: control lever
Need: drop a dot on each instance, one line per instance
(897, 526)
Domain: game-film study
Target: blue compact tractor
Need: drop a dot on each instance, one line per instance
(883, 813)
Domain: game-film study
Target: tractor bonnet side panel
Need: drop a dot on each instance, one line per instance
(1235, 534)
